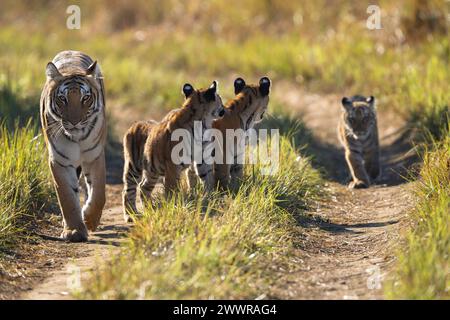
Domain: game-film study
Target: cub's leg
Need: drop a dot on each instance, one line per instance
(356, 166)
(205, 173)
(372, 163)
(131, 178)
(95, 177)
(222, 175)
(147, 185)
(67, 189)
(192, 177)
(236, 174)
(171, 178)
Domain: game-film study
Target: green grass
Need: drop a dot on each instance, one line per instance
(423, 270)
(232, 249)
(24, 181)
(348, 59)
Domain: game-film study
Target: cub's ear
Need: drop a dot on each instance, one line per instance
(239, 84)
(51, 71)
(91, 69)
(188, 89)
(371, 101)
(347, 103)
(264, 86)
(210, 94)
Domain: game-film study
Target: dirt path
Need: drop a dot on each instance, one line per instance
(102, 245)
(348, 242)
(72, 267)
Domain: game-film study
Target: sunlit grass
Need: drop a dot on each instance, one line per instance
(423, 268)
(24, 181)
(231, 249)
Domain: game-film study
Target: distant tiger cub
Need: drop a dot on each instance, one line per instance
(245, 110)
(148, 146)
(358, 134)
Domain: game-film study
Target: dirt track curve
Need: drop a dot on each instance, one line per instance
(347, 243)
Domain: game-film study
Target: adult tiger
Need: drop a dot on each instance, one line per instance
(73, 120)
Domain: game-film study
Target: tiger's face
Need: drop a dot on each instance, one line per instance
(73, 101)
(359, 114)
(206, 104)
(257, 95)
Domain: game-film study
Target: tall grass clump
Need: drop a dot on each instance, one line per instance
(24, 180)
(231, 248)
(14, 106)
(423, 268)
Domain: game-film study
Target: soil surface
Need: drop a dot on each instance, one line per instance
(346, 245)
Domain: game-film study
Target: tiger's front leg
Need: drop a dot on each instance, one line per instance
(172, 178)
(67, 189)
(95, 173)
(222, 175)
(358, 171)
(205, 173)
(236, 175)
(191, 177)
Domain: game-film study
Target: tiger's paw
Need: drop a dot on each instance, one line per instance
(92, 222)
(74, 235)
(358, 184)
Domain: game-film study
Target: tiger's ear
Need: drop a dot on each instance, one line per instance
(347, 103)
(91, 69)
(239, 84)
(264, 86)
(51, 71)
(371, 101)
(188, 89)
(210, 94)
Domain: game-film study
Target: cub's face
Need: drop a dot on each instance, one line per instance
(359, 114)
(258, 96)
(207, 104)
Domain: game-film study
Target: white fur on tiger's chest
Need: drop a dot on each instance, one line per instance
(72, 153)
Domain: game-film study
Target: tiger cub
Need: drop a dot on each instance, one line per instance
(358, 134)
(245, 110)
(148, 146)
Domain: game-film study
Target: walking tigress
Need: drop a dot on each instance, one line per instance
(358, 134)
(148, 146)
(245, 110)
(72, 110)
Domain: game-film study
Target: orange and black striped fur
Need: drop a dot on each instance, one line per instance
(358, 134)
(245, 110)
(148, 146)
(73, 120)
